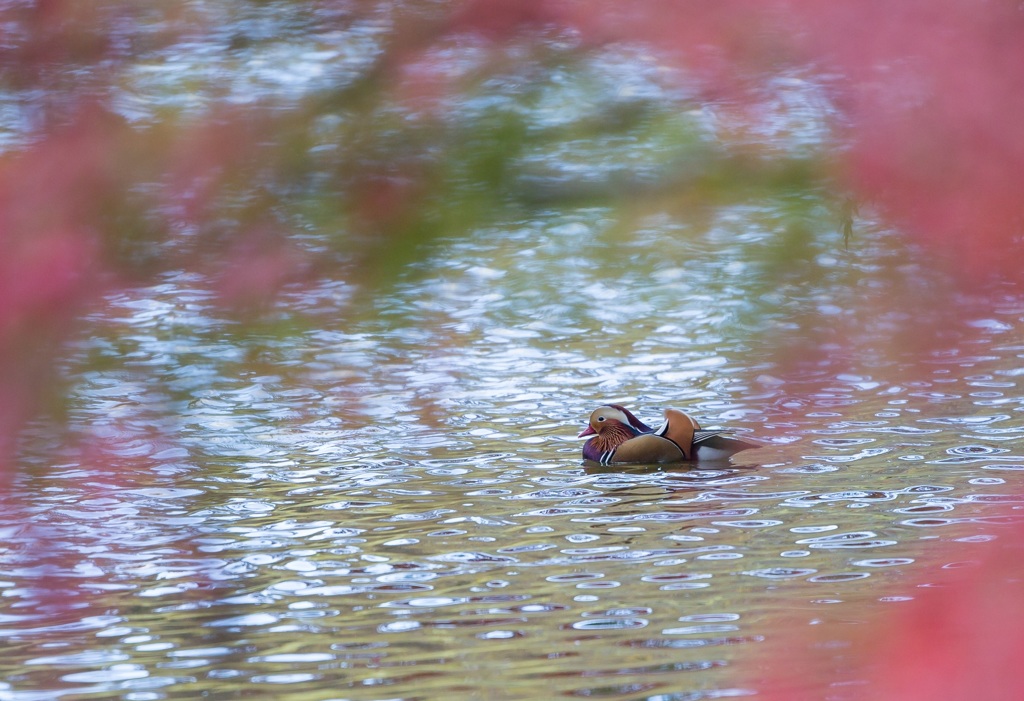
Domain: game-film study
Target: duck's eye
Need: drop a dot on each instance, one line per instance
(600, 418)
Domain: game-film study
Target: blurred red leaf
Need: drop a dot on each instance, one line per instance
(958, 640)
(51, 199)
(934, 90)
(255, 269)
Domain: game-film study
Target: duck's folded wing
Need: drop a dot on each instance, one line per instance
(711, 444)
(707, 437)
(679, 428)
(647, 449)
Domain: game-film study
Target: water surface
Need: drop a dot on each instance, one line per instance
(394, 506)
(382, 496)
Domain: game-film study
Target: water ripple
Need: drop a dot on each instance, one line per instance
(857, 539)
(670, 516)
(780, 572)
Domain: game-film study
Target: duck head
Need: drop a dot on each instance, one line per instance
(602, 418)
(610, 427)
(602, 415)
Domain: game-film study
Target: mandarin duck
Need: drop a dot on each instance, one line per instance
(620, 437)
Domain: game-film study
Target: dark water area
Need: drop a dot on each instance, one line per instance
(382, 496)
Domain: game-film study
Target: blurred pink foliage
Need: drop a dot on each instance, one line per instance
(934, 92)
(957, 640)
(49, 266)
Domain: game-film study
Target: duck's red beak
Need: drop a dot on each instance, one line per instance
(588, 431)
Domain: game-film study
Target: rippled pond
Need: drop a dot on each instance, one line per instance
(394, 506)
(382, 496)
